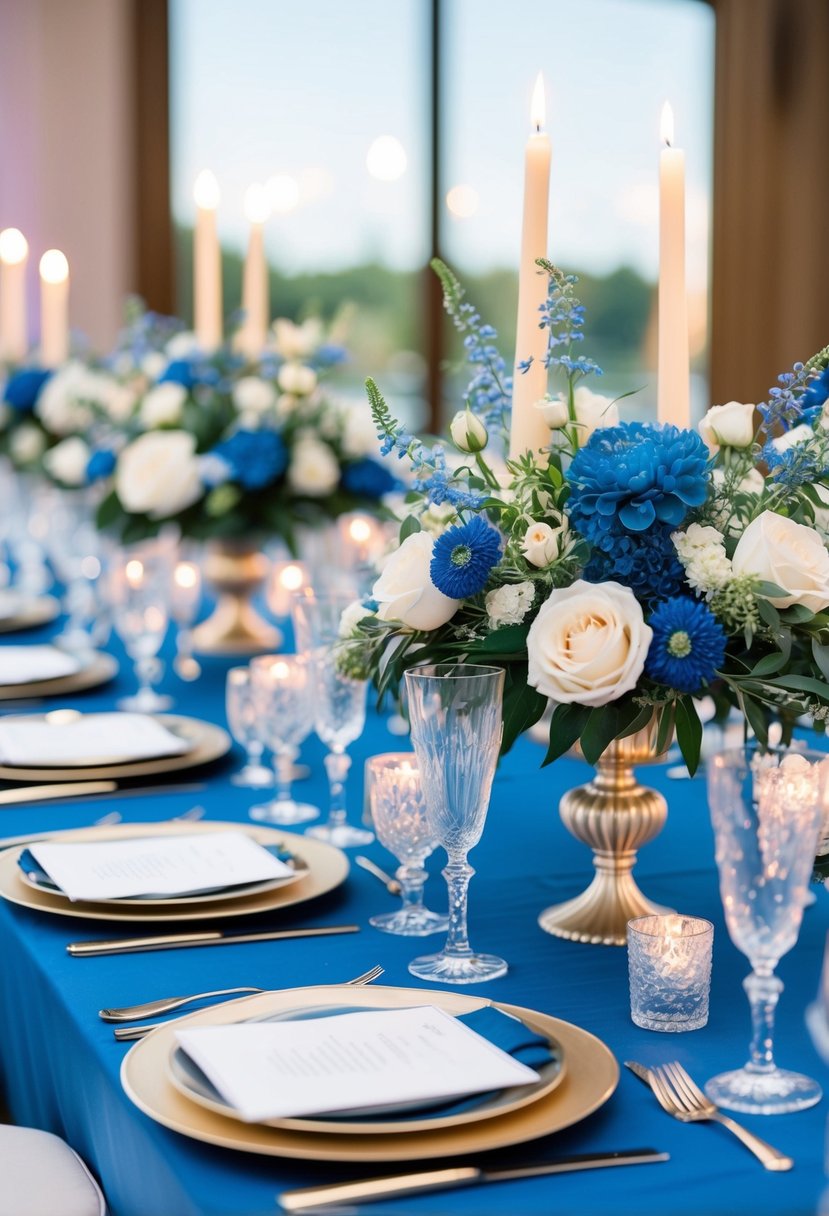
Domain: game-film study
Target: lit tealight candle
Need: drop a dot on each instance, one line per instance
(670, 971)
(361, 537)
(254, 327)
(54, 308)
(134, 571)
(14, 256)
(207, 264)
(186, 593)
(286, 579)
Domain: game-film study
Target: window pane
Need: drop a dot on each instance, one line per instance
(608, 67)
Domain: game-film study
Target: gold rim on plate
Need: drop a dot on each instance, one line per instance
(100, 669)
(208, 742)
(327, 869)
(592, 1076)
(377, 997)
(32, 611)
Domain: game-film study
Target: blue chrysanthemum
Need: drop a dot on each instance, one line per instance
(23, 388)
(628, 478)
(101, 464)
(188, 373)
(648, 564)
(255, 458)
(687, 647)
(463, 557)
(368, 478)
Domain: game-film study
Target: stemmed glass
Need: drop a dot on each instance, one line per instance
(455, 713)
(185, 600)
(398, 811)
(244, 726)
(284, 704)
(767, 808)
(139, 594)
(339, 705)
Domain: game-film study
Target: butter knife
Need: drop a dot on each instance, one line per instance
(136, 945)
(368, 1190)
(63, 789)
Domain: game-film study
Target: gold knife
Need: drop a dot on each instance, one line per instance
(64, 789)
(367, 1190)
(136, 945)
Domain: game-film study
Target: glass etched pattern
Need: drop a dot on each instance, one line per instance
(766, 807)
(669, 964)
(455, 713)
(242, 720)
(284, 707)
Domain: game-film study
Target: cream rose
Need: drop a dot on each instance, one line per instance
(253, 395)
(297, 379)
(158, 474)
(728, 426)
(405, 592)
(314, 469)
(588, 644)
(297, 341)
(778, 550)
(542, 544)
(592, 411)
(67, 461)
(163, 404)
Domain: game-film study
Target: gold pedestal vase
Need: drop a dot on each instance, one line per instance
(614, 815)
(236, 570)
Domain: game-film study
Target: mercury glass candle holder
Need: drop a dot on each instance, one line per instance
(669, 961)
(398, 812)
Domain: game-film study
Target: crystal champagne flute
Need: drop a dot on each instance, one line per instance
(139, 596)
(767, 809)
(455, 714)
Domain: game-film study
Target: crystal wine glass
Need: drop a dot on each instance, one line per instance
(767, 808)
(185, 600)
(139, 593)
(455, 713)
(398, 811)
(284, 704)
(339, 704)
(245, 728)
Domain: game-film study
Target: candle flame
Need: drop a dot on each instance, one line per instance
(186, 575)
(292, 578)
(359, 530)
(257, 204)
(280, 670)
(54, 267)
(538, 109)
(206, 191)
(666, 126)
(134, 572)
(13, 246)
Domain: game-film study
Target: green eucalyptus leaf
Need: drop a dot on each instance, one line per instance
(768, 665)
(688, 733)
(408, 528)
(821, 656)
(566, 726)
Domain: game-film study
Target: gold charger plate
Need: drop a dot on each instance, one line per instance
(99, 670)
(592, 1076)
(490, 1106)
(207, 743)
(327, 869)
(31, 612)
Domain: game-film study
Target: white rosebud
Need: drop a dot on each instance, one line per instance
(588, 644)
(163, 405)
(468, 432)
(253, 395)
(314, 469)
(778, 550)
(158, 474)
(728, 426)
(61, 404)
(592, 411)
(27, 444)
(67, 461)
(508, 605)
(351, 617)
(297, 379)
(542, 544)
(405, 591)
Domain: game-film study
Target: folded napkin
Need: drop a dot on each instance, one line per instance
(99, 738)
(33, 870)
(25, 664)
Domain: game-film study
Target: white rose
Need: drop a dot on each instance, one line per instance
(778, 550)
(297, 379)
(103, 391)
(509, 605)
(468, 432)
(351, 617)
(182, 346)
(158, 474)
(588, 644)
(252, 395)
(163, 404)
(67, 461)
(27, 443)
(728, 426)
(153, 365)
(592, 411)
(60, 404)
(359, 433)
(790, 439)
(297, 341)
(405, 591)
(314, 469)
(542, 544)
(753, 482)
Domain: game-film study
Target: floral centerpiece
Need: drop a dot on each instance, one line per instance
(626, 570)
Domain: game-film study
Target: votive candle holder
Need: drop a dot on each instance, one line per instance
(669, 963)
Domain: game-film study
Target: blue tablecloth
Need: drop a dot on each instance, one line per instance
(59, 1064)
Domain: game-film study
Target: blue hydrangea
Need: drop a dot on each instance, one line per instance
(101, 464)
(630, 477)
(189, 373)
(648, 564)
(368, 478)
(23, 388)
(463, 557)
(688, 645)
(255, 458)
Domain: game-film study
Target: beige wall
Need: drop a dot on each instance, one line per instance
(66, 147)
